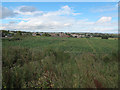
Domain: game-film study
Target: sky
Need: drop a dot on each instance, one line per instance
(93, 17)
(60, 0)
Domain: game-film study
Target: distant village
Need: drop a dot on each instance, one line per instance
(8, 33)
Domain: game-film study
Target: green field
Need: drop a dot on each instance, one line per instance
(60, 62)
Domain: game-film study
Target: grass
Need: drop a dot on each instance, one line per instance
(46, 62)
(66, 44)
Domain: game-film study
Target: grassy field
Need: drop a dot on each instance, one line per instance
(60, 62)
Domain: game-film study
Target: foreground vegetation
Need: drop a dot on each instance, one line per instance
(60, 62)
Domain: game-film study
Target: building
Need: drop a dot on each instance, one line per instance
(53, 34)
(75, 35)
(34, 34)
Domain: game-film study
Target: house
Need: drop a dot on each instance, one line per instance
(82, 36)
(78, 36)
(63, 35)
(53, 34)
(41, 34)
(34, 34)
(75, 35)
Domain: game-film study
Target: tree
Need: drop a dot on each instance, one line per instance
(104, 37)
(19, 33)
(46, 34)
(69, 35)
(57, 34)
(4, 33)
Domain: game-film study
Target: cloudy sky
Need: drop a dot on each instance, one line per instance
(60, 17)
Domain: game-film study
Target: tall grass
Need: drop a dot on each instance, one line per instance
(26, 65)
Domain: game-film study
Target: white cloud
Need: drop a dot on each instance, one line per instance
(46, 22)
(32, 11)
(5, 12)
(65, 10)
(27, 9)
(103, 25)
(61, 21)
(104, 19)
(50, 20)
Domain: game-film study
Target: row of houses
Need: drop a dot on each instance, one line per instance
(77, 36)
(37, 34)
(81, 35)
(8, 33)
(51, 34)
(61, 34)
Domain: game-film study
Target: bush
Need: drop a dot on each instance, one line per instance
(46, 34)
(104, 37)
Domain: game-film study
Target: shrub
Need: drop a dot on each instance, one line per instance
(104, 37)
(46, 34)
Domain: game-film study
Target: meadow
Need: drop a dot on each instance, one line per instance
(55, 62)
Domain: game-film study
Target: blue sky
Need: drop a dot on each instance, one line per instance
(60, 1)
(60, 16)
